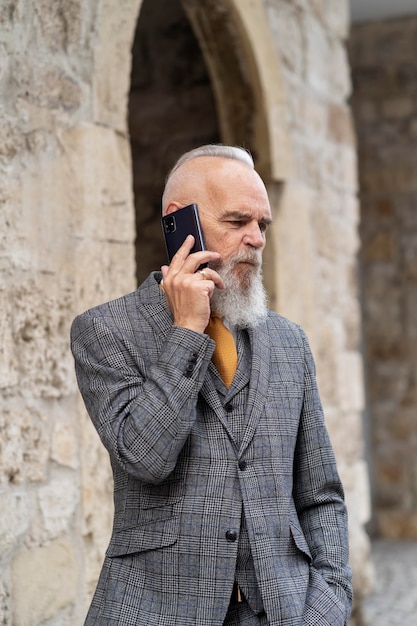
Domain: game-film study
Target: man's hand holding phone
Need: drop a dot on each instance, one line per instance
(188, 289)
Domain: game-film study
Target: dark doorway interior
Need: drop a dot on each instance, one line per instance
(171, 110)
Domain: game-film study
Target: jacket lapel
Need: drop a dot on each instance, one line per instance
(259, 380)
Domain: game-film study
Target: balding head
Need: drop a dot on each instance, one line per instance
(189, 173)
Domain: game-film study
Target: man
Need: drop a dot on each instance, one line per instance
(228, 505)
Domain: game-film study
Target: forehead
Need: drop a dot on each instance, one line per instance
(232, 185)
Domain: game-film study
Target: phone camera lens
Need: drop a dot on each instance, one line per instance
(170, 224)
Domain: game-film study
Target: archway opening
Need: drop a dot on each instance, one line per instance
(171, 110)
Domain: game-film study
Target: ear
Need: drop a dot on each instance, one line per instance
(172, 207)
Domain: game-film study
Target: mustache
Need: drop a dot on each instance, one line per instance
(253, 257)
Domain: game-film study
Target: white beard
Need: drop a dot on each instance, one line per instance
(243, 302)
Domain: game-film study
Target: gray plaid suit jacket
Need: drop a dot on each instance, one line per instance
(178, 478)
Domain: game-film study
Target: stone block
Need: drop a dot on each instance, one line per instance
(97, 487)
(99, 186)
(404, 429)
(307, 168)
(336, 16)
(392, 478)
(366, 110)
(14, 520)
(346, 433)
(409, 245)
(398, 107)
(64, 444)
(338, 168)
(382, 43)
(355, 479)
(356, 483)
(45, 581)
(363, 570)
(115, 26)
(338, 71)
(24, 444)
(318, 54)
(350, 381)
(97, 500)
(286, 26)
(396, 524)
(40, 334)
(11, 141)
(329, 340)
(329, 233)
(381, 248)
(58, 501)
(60, 24)
(410, 317)
(326, 66)
(9, 372)
(351, 316)
(48, 86)
(112, 266)
(309, 114)
(295, 268)
(388, 180)
(340, 124)
(5, 599)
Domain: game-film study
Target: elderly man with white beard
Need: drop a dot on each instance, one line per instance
(229, 508)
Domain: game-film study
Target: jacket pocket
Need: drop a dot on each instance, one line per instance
(148, 535)
(300, 541)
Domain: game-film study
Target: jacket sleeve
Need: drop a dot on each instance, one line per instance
(319, 499)
(142, 402)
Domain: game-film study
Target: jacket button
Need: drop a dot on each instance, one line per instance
(228, 407)
(231, 535)
(242, 464)
(190, 367)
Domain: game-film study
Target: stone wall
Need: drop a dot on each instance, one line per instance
(384, 65)
(317, 238)
(67, 242)
(66, 233)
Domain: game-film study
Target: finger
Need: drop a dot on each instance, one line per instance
(195, 260)
(211, 275)
(183, 252)
(184, 261)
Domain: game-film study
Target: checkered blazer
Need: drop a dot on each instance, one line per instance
(179, 480)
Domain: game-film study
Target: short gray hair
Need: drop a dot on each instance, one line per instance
(215, 150)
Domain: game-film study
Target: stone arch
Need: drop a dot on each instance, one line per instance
(247, 79)
(239, 28)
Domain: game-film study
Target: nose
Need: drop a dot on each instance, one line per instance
(253, 236)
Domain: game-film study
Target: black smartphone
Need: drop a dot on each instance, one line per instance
(176, 226)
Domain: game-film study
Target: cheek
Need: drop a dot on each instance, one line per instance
(223, 243)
